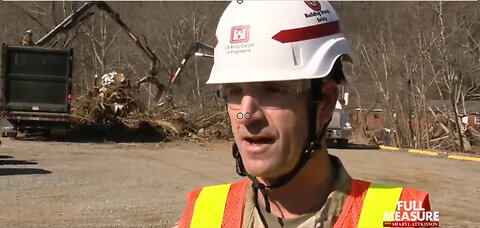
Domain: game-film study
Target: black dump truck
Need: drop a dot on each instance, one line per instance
(35, 89)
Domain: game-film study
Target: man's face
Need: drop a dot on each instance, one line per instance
(269, 123)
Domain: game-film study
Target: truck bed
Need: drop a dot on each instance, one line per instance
(36, 79)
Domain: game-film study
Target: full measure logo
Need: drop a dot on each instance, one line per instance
(411, 214)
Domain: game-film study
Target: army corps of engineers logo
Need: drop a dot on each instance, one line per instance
(314, 5)
(240, 34)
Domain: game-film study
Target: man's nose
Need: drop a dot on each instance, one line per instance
(249, 109)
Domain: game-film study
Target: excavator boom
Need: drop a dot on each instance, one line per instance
(192, 50)
(81, 13)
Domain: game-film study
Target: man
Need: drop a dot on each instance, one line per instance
(278, 64)
(27, 39)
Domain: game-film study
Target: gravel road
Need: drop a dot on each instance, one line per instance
(61, 184)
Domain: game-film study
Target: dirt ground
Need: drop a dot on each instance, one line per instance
(60, 184)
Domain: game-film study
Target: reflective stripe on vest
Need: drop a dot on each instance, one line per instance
(380, 199)
(215, 206)
(210, 206)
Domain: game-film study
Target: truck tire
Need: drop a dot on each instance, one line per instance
(11, 134)
(331, 143)
(342, 143)
(59, 132)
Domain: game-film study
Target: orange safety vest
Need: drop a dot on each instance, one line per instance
(223, 205)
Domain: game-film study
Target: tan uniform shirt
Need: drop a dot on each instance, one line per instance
(325, 217)
(27, 40)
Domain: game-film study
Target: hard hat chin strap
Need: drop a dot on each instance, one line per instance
(282, 180)
(313, 145)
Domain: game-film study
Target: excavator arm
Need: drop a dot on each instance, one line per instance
(81, 13)
(192, 50)
(78, 15)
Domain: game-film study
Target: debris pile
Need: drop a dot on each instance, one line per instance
(113, 104)
(443, 133)
(175, 123)
(107, 103)
(438, 131)
(212, 126)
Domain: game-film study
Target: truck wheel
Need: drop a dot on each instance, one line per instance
(342, 143)
(46, 133)
(11, 134)
(58, 133)
(331, 143)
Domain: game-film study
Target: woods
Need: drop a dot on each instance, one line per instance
(418, 61)
(419, 52)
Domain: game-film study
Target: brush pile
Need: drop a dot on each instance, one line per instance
(444, 133)
(107, 103)
(114, 103)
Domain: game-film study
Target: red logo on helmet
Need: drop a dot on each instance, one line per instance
(240, 34)
(315, 5)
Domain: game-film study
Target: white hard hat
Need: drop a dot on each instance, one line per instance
(277, 41)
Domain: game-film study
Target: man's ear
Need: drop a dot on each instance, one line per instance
(327, 105)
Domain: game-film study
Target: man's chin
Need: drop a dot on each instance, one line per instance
(260, 169)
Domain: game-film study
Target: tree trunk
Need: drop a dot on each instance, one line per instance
(459, 130)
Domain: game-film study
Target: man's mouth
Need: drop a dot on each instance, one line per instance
(257, 145)
(260, 140)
